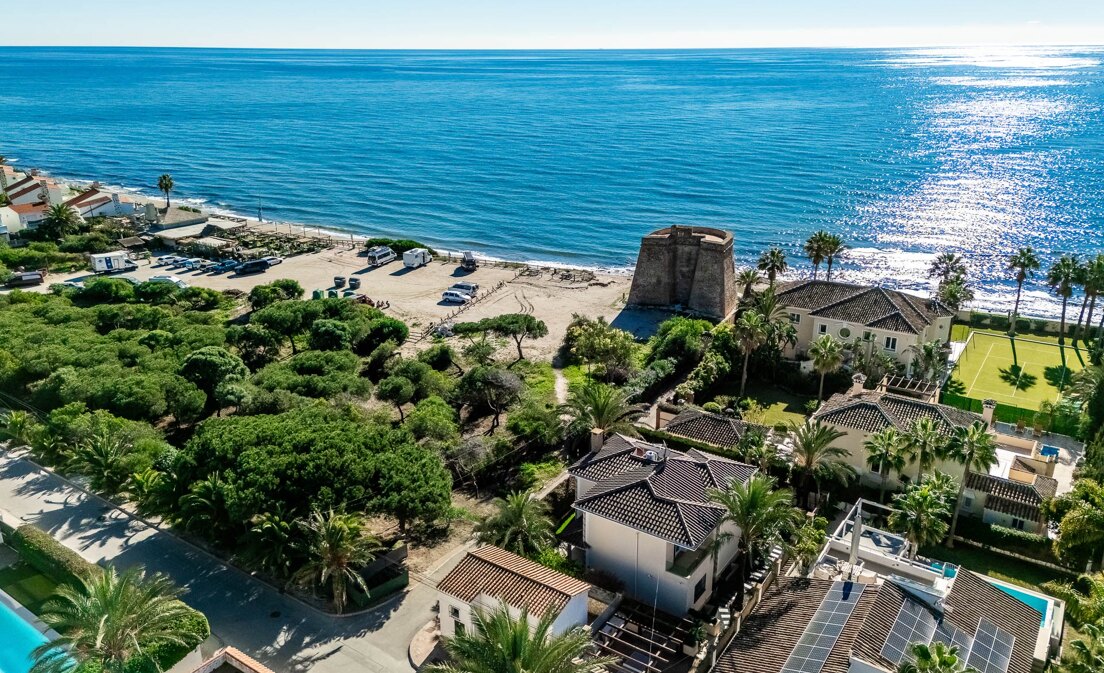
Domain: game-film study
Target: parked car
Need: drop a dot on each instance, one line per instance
(74, 284)
(339, 281)
(165, 260)
(179, 263)
(468, 262)
(416, 257)
(27, 278)
(130, 279)
(206, 265)
(380, 255)
(273, 261)
(194, 263)
(253, 266)
(470, 289)
(226, 265)
(169, 279)
(454, 297)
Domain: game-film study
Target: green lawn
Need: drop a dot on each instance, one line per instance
(779, 407)
(26, 585)
(1020, 372)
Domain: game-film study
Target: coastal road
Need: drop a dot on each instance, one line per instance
(276, 630)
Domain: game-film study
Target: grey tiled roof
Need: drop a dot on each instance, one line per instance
(666, 498)
(873, 307)
(774, 627)
(1013, 497)
(702, 426)
(871, 411)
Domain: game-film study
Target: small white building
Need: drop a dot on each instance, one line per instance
(9, 221)
(648, 520)
(29, 215)
(490, 577)
(889, 320)
(95, 202)
(9, 176)
(35, 189)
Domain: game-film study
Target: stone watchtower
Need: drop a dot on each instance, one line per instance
(686, 267)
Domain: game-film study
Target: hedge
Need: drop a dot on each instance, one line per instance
(51, 558)
(399, 245)
(1009, 539)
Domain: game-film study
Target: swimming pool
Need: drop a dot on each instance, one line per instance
(19, 639)
(1040, 603)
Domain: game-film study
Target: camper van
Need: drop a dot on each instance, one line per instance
(416, 257)
(468, 262)
(380, 255)
(111, 262)
(27, 278)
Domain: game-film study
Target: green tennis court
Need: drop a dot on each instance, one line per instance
(1018, 372)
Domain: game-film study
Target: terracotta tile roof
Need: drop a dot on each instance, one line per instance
(21, 183)
(873, 307)
(774, 627)
(512, 579)
(702, 426)
(665, 497)
(25, 208)
(871, 411)
(1013, 497)
(15, 194)
(79, 199)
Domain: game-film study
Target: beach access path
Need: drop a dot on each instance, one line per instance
(275, 629)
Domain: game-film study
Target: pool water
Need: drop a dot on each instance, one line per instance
(1031, 600)
(1049, 451)
(17, 642)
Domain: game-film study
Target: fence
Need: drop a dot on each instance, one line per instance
(1063, 424)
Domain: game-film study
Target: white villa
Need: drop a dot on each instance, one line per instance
(647, 519)
(888, 319)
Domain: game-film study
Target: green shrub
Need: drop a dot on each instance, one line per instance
(399, 245)
(979, 320)
(48, 556)
(999, 322)
(551, 558)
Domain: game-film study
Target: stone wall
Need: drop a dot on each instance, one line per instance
(689, 268)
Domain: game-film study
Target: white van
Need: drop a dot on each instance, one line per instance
(416, 257)
(111, 262)
(380, 255)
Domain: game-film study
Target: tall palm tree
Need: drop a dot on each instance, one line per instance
(974, 448)
(60, 221)
(520, 524)
(827, 355)
(885, 453)
(106, 459)
(1085, 655)
(814, 250)
(499, 643)
(1062, 277)
(1025, 263)
(955, 293)
(833, 249)
(165, 185)
(935, 658)
(747, 278)
(816, 457)
(760, 511)
(603, 407)
(920, 514)
(772, 262)
(109, 620)
(1094, 285)
(751, 333)
(271, 543)
(925, 444)
(1082, 526)
(946, 266)
(929, 360)
(335, 547)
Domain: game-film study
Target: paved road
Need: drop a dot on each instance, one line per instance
(245, 613)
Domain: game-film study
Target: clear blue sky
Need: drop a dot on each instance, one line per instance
(520, 24)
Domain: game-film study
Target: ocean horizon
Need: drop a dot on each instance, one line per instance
(571, 156)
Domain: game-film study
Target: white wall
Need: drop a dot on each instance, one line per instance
(9, 219)
(574, 613)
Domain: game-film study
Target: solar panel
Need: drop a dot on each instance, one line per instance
(820, 636)
(992, 649)
(914, 624)
(949, 634)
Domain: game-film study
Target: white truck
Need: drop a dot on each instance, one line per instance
(416, 257)
(112, 262)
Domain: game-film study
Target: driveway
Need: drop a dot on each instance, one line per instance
(276, 630)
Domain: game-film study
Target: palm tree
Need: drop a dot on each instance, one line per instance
(816, 457)
(974, 448)
(19, 427)
(204, 508)
(885, 453)
(501, 644)
(833, 250)
(929, 360)
(946, 266)
(109, 620)
(521, 524)
(1093, 282)
(105, 459)
(1085, 655)
(751, 333)
(935, 658)
(335, 548)
(603, 407)
(60, 221)
(1062, 276)
(270, 543)
(925, 444)
(1081, 526)
(773, 262)
(1025, 263)
(747, 279)
(955, 293)
(761, 512)
(1084, 601)
(920, 514)
(165, 185)
(827, 355)
(814, 250)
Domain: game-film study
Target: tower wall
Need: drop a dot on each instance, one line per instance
(686, 267)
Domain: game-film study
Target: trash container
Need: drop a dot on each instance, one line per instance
(331, 293)
(354, 283)
(339, 281)
(318, 294)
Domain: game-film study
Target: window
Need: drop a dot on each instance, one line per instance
(845, 333)
(868, 335)
(454, 612)
(891, 343)
(823, 329)
(1018, 524)
(795, 318)
(699, 589)
(967, 502)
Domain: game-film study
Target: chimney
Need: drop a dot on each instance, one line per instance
(658, 417)
(597, 438)
(857, 382)
(856, 536)
(987, 409)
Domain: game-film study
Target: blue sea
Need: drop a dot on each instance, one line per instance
(571, 156)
